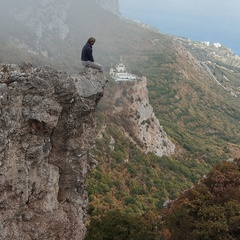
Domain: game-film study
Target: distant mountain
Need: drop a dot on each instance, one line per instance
(50, 31)
(110, 5)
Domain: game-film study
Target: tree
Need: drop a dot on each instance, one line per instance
(118, 225)
(210, 210)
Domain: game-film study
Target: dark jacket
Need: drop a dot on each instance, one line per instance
(87, 53)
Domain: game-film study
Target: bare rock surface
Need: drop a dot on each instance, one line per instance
(129, 105)
(46, 132)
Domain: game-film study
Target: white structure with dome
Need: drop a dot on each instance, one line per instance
(119, 73)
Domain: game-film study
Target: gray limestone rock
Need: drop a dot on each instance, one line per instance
(46, 132)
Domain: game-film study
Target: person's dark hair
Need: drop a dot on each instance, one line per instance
(91, 40)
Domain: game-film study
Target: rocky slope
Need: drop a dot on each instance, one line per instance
(47, 129)
(129, 105)
(110, 5)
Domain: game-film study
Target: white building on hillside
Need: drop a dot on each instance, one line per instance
(119, 73)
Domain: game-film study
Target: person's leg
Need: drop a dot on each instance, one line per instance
(93, 65)
(98, 66)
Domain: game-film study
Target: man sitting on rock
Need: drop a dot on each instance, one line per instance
(87, 55)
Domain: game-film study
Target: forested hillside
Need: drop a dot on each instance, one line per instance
(209, 210)
(199, 115)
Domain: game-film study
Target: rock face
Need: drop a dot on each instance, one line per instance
(51, 28)
(50, 17)
(45, 17)
(131, 104)
(110, 5)
(47, 129)
(149, 130)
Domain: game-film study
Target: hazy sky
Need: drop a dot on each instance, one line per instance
(201, 20)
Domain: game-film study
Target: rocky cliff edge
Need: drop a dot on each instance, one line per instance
(130, 107)
(46, 132)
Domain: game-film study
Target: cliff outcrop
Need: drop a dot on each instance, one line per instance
(130, 108)
(149, 131)
(47, 129)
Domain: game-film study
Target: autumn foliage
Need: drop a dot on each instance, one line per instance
(209, 210)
